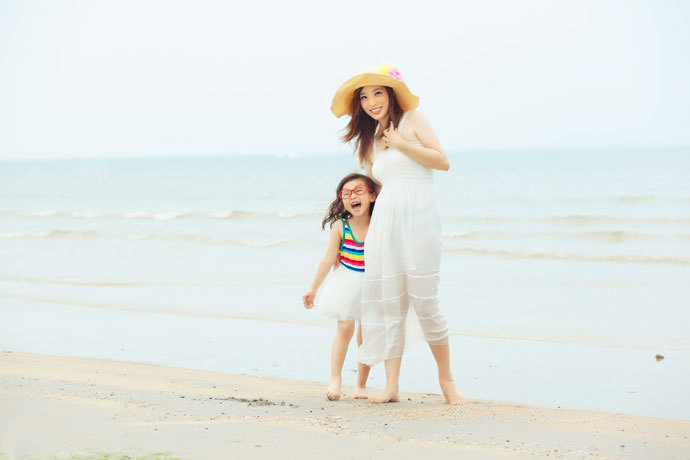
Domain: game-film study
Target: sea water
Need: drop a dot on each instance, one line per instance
(564, 273)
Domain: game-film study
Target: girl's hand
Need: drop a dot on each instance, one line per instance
(308, 299)
(392, 137)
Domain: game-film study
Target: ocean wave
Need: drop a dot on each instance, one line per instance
(470, 235)
(610, 236)
(51, 234)
(635, 198)
(616, 258)
(571, 219)
(234, 241)
(238, 214)
(157, 215)
(29, 280)
(144, 236)
(608, 219)
(606, 236)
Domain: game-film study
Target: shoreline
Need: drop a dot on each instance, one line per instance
(616, 380)
(66, 406)
(596, 342)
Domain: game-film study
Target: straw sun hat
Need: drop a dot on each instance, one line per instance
(386, 75)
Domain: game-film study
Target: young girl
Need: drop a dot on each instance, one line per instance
(348, 215)
(400, 150)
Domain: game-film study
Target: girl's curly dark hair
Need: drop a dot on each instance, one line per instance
(336, 210)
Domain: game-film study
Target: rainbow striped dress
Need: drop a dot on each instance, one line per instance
(351, 250)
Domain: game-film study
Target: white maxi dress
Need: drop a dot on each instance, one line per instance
(402, 259)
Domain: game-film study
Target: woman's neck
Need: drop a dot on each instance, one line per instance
(382, 124)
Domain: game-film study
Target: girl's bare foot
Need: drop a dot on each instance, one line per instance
(360, 393)
(451, 393)
(385, 396)
(333, 391)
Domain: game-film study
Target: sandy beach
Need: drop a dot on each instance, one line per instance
(62, 407)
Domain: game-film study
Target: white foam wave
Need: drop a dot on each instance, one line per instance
(87, 214)
(137, 215)
(139, 236)
(469, 235)
(611, 236)
(146, 236)
(44, 213)
(50, 234)
(221, 215)
(608, 219)
(635, 198)
(616, 258)
(238, 242)
(156, 215)
(573, 219)
(71, 282)
(167, 215)
(245, 214)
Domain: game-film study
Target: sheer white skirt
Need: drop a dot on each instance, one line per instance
(402, 258)
(341, 295)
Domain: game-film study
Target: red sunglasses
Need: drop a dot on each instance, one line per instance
(347, 192)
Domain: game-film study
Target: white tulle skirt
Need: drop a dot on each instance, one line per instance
(402, 258)
(341, 295)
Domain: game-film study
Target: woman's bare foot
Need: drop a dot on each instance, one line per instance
(451, 393)
(333, 391)
(385, 396)
(360, 393)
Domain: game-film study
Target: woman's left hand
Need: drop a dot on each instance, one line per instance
(392, 137)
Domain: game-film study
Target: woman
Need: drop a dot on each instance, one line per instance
(399, 149)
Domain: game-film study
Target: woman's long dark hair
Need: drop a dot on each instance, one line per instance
(336, 210)
(362, 128)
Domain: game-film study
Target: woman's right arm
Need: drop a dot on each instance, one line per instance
(330, 258)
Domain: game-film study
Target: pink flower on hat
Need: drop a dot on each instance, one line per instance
(388, 69)
(395, 73)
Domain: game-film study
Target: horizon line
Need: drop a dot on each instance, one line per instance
(488, 150)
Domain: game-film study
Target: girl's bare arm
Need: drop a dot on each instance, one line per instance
(330, 258)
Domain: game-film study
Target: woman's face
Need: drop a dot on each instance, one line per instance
(374, 101)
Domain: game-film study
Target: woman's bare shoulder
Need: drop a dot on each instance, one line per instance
(416, 118)
(414, 123)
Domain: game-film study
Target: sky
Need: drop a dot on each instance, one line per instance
(161, 77)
